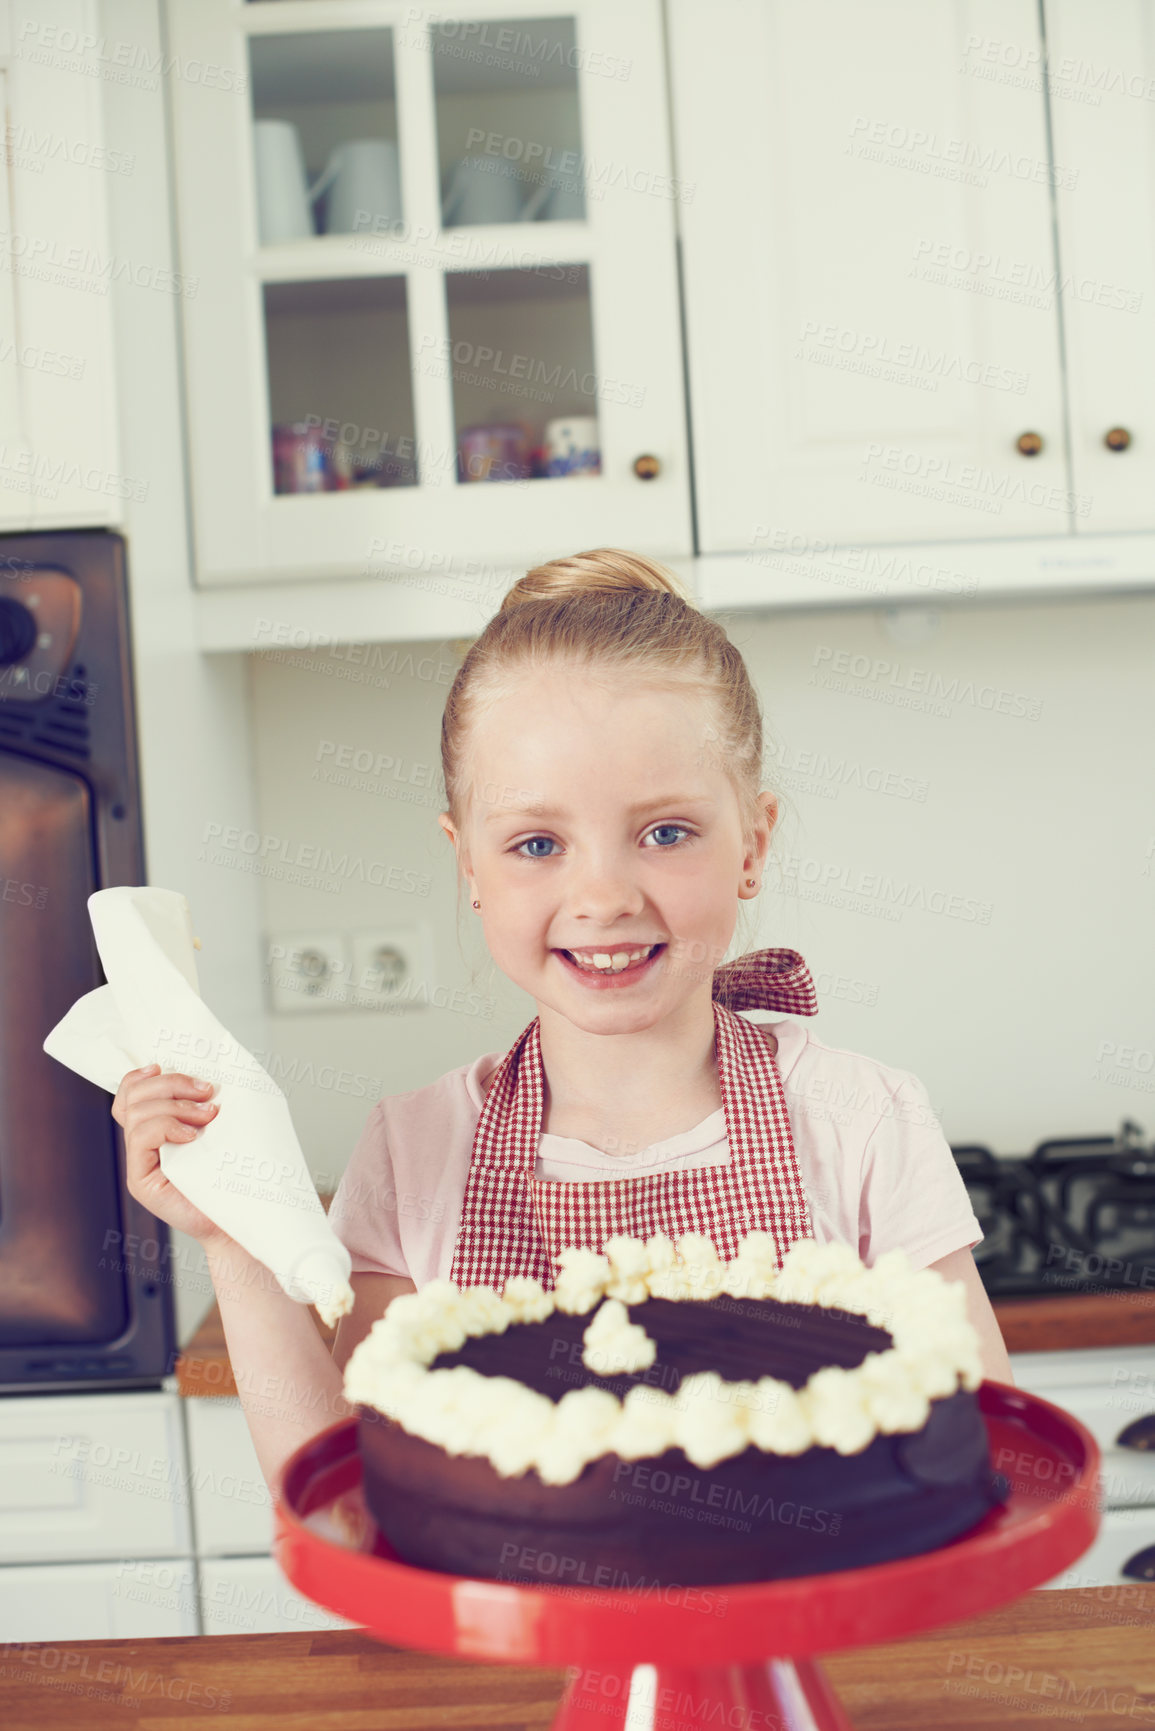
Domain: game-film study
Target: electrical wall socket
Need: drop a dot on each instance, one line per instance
(392, 965)
(307, 971)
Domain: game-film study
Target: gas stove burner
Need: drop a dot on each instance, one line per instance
(1117, 1207)
(1075, 1215)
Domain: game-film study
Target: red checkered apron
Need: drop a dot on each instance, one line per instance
(515, 1223)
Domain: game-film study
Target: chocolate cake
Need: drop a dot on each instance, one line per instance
(662, 1416)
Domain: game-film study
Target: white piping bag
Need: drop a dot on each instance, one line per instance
(245, 1170)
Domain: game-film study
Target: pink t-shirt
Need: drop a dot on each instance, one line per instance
(876, 1168)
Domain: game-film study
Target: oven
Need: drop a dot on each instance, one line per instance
(84, 1301)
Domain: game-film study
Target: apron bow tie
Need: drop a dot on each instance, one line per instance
(766, 980)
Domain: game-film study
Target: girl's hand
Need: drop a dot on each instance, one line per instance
(152, 1108)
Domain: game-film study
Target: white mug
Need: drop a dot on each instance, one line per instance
(559, 198)
(283, 205)
(572, 447)
(363, 180)
(481, 189)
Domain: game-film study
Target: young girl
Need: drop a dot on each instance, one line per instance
(602, 752)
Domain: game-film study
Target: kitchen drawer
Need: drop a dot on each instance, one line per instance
(1124, 1534)
(90, 1476)
(122, 1601)
(232, 1504)
(1093, 1367)
(1123, 1390)
(250, 1596)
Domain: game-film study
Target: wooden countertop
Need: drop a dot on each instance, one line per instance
(1028, 1325)
(1084, 1657)
(1077, 1320)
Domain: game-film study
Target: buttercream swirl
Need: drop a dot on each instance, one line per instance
(613, 1344)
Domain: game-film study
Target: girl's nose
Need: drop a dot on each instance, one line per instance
(603, 896)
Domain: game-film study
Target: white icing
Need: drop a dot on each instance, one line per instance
(648, 1424)
(614, 1345)
(711, 1426)
(527, 1298)
(584, 1276)
(583, 1428)
(779, 1424)
(631, 1267)
(935, 1349)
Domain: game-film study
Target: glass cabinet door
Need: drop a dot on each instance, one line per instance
(437, 303)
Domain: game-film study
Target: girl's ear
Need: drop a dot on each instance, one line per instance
(769, 807)
(446, 823)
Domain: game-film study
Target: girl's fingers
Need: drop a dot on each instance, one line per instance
(170, 1084)
(146, 1137)
(151, 1086)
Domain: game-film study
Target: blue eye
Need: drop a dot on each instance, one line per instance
(675, 829)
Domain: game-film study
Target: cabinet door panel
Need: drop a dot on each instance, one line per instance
(1112, 1392)
(58, 456)
(92, 1476)
(123, 1601)
(1102, 77)
(231, 1501)
(11, 408)
(384, 353)
(869, 266)
(250, 1596)
(1128, 1474)
(1124, 1534)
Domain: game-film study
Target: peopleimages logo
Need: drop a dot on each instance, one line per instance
(875, 676)
(869, 892)
(825, 774)
(283, 857)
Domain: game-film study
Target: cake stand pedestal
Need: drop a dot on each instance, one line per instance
(672, 1658)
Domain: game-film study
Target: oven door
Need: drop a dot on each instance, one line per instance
(62, 1276)
(86, 1272)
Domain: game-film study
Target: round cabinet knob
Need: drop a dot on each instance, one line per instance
(645, 468)
(1030, 444)
(1139, 1434)
(1116, 438)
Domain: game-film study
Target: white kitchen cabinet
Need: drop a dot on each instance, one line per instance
(250, 1596)
(1107, 1389)
(121, 1601)
(375, 347)
(1102, 76)
(58, 432)
(92, 1476)
(1123, 1538)
(868, 260)
(232, 1504)
(1127, 1474)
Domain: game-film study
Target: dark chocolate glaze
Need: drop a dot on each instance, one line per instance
(740, 1338)
(634, 1524)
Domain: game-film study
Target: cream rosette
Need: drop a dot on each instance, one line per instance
(935, 1350)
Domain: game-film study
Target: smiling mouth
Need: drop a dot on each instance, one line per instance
(613, 961)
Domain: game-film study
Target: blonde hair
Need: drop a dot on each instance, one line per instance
(607, 609)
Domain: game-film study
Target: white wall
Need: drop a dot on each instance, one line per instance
(1032, 835)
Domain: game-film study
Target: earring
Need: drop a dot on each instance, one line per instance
(477, 904)
(750, 883)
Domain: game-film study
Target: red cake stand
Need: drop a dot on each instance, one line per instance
(717, 1655)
